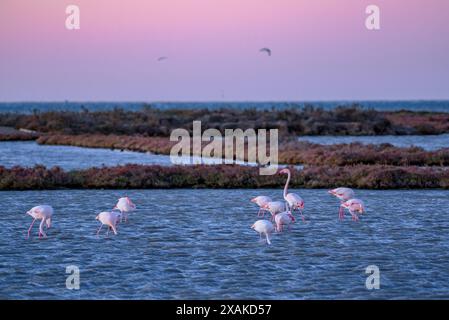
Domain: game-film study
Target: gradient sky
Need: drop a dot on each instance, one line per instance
(321, 50)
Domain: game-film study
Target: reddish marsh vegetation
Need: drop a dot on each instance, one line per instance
(352, 120)
(223, 176)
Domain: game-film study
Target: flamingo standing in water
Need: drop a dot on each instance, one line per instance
(110, 219)
(43, 213)
(274, 207)
(125, 205)
(263, 227)
(261, 201)
(354, 206)
(343, 194)
(283, 218)
(294, 201)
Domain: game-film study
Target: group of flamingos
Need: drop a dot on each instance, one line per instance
(282, 212)
(108, 218)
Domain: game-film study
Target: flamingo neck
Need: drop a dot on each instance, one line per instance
(286, 184)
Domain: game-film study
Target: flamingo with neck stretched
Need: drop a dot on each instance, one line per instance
(43, 213)
(294, 201)
(343, 194)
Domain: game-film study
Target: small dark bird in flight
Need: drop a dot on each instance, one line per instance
(162, 58)
(267, 50)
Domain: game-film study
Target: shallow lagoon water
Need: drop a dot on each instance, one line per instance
(197, 244)
(427, 142)
(29, 154)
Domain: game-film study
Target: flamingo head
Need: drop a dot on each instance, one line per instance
(301, 205)
(284, 171)
(362, 209)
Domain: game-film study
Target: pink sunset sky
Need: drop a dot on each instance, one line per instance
(321, 50)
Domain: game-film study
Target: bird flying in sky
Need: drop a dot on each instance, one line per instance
(267, 50)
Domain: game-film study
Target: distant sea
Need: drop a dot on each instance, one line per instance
(29, 107)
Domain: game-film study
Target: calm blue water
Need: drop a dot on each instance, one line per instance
(428, 142)
(26, 107)
(197, 244)
(29, 154)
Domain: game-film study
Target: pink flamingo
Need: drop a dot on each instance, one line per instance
(354, 206)
(274, 207)
(283, 218)
(110, 219)
(295, 202)
(125, 205)
(263, 227)
(43, 213)
(343, 194)
(261, 201)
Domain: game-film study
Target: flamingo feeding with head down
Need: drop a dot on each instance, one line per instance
(343, 194)
(274, 207)
(124, 205)
(263, 227)
(354, 206)
(283, 218)
(110, 219)
(294, 201)
(261, 201)
(43, 213)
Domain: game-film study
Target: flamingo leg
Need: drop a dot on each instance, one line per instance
(354, 216)
(31, 226)
(302, 216)
(98, 231)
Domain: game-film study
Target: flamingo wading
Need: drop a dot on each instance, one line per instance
(261, 201)
(110, 219)
(263, 227)
(125, 205)
(283, 218)
(294, 201)
(43, 213)
(354, 206)
(343, 194)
